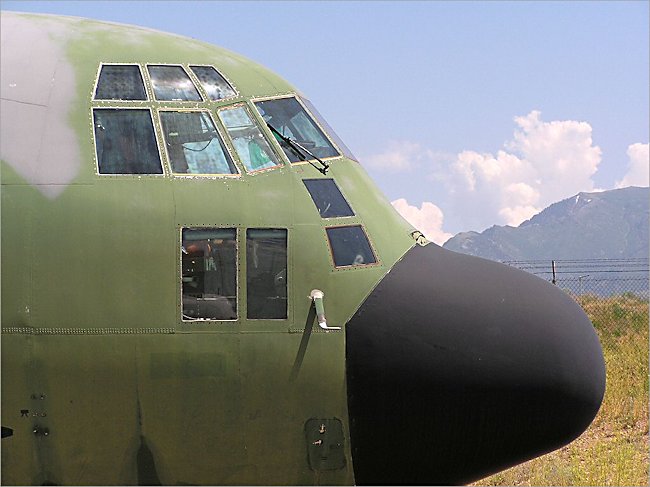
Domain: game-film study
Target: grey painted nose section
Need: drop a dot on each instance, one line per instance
(459, 367)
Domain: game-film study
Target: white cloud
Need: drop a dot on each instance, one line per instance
(543, 163)
(427, 219)
(638, 168)
(400, 156)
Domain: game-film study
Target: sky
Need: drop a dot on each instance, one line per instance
(465, 114)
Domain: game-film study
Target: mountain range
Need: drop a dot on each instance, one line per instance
(600, 225)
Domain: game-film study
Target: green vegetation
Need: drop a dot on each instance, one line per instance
(614, 449)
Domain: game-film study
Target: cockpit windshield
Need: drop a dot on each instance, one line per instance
(289, 118)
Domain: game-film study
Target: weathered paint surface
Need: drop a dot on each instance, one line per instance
(91, 286)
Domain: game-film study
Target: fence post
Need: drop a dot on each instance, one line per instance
(553, 267)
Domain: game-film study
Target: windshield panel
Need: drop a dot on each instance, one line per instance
(289, 118)
(251, 146)
(193, 144)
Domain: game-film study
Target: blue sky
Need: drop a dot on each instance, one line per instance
(427, 93)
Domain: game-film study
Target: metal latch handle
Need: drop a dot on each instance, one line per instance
(317, 297)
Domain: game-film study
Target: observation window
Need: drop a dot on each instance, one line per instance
(193, 144)
(289, 118)
(266, 273)
(350, 246)
(328, 198)
(213, 83)
(209, 273)
(251, 146)
(171, 83)
(125, 142)
(120, 82)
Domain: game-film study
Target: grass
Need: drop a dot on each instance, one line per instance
(614, 449)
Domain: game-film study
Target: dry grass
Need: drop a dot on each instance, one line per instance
(614, 449)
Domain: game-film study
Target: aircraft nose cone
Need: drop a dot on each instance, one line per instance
(459, 367)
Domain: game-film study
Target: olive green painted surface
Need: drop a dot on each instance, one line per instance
(91, 305)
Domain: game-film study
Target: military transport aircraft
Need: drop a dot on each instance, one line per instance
(201, 285)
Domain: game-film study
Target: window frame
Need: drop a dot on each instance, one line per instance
(217, 127)
(94, 98)
(238, 257)
(164, 172)
(199, 89)
(373, 249)
(204, 92)
(254, 118)
(311, 117)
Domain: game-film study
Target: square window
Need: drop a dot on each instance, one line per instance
(350, 246)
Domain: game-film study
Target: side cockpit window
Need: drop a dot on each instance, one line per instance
(251, 146)
(171, 83)
(328, 198)
(125, 141)
(120, 82)
(287, 117)
(266, 273)
(330, 131)
(350, 246)
(194, 145)
(213, 83)
(209, 273)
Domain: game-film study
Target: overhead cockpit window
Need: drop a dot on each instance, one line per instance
(209, 273)
(350, 246)
(120, 82)
(328, 198)
(171, 83)
(213, 83)
(266, 273)
(125, 142)
(288, 118)
(194, 145)
(251, 146)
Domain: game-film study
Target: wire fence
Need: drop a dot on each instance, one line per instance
(613, 292)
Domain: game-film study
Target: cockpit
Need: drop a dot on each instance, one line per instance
(190, 121)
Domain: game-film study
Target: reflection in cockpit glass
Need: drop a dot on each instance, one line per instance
(213, 83)
(171, 83)
(290, 119)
